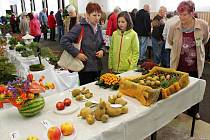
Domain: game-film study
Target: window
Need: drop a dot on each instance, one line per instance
(32, 5)
(66, 2)
(38, 6)
(52, 5)
(28, 6)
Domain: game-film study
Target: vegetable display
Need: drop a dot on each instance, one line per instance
(109, 80)
(159, 83)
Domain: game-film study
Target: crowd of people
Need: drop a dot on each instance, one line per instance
(41, 23)
(178, 38)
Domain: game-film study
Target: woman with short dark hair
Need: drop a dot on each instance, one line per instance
(51, 25)
(92, 45)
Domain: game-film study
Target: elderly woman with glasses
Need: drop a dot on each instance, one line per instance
(187, 38)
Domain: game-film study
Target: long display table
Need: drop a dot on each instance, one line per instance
(138, 123)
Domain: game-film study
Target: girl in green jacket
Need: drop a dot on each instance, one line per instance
(124, 49)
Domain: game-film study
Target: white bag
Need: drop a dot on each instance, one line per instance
(67, 61)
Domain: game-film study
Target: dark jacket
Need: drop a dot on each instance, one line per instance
(142, 23)
(59, 19)
(158, 26)
(91, 43)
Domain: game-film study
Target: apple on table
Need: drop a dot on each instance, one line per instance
(67, 128)
(60, 106)
(54, 133)
(67, 101)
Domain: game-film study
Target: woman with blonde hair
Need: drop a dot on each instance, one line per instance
(158, 24)
(71, 19)
(24, 24)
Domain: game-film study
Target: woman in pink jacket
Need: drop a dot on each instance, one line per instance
(34, 26)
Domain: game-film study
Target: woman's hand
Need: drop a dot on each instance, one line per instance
(99, 54)
(81, 57)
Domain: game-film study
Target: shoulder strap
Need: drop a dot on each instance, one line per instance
(81, 35)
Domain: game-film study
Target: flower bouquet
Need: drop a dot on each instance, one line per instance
(25, 94)
(109, 80)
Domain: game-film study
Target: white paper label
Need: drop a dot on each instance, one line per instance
(14, 135)
(116, 105)
(94, 102)
(46, 124)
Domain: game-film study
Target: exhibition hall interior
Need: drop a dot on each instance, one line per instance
(104, 70)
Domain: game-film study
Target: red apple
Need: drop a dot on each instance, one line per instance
(60, 106)
(67, 128)
(67, 101)
(54, 133)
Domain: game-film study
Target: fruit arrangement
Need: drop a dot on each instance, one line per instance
(25, 94)
(66, 129)
(159, 83)
(61, 105)
(104, 110)
(81, 94)
(109, 80)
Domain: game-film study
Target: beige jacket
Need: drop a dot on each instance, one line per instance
(66, 24)
(201, 38)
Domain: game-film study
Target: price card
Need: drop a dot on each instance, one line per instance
(116, 105)
(14, 135)
(46, 124)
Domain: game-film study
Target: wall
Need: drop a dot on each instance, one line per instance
(155, 4)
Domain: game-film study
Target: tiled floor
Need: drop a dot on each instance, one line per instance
(179, 129)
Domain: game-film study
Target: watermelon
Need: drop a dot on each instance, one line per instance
(32, 107)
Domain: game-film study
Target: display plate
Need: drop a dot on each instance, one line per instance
(67, 110)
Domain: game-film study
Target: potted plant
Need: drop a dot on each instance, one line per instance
(36, 67)
(7, 70)
(12, 42)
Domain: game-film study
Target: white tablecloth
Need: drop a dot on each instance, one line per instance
(137, 124)
(62, 79)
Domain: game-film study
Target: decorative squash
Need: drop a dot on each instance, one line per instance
(159, 83)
